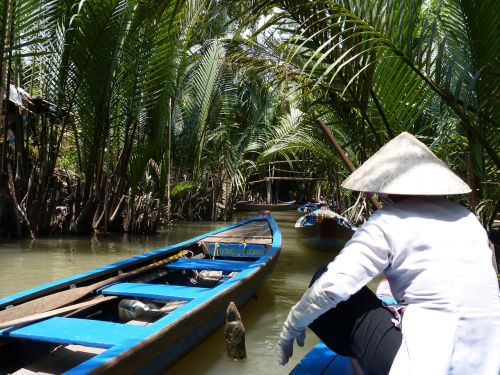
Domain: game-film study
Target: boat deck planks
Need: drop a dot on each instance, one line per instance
(60, 360)
(257, 232)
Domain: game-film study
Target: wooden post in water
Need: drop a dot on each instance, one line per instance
(234, 333)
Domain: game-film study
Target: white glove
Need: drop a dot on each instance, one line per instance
(285, 344)
(313, 303)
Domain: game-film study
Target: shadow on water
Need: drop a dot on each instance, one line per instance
(29, 263)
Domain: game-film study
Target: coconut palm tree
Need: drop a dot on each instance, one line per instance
(22, 25)
(383, 67)
(107, 63)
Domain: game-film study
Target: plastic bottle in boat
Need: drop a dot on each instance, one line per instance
(129, 309)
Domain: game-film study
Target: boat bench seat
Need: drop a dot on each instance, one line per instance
(209, 264)
(94, 333)
(155, 291)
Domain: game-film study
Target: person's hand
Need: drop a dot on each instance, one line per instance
(313, 303)
(285, 344)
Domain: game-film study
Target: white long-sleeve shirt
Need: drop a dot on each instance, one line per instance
(436, 257)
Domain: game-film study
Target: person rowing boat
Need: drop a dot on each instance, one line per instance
(436, 258)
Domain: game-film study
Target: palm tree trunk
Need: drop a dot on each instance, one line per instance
(7, 27)
(342, 155)
(169, 161)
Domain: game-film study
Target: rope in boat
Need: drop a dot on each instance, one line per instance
(216, 250)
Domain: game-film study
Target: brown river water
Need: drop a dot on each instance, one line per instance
(26, 264)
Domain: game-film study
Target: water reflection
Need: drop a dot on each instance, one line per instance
(26, 264)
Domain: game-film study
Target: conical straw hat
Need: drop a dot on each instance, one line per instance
(405, 166)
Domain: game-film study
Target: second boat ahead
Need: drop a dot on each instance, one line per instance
(324, 230)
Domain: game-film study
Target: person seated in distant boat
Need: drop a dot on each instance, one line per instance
(438, 263)
(323, 201)
(317, 215)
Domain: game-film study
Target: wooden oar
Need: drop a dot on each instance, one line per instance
(65, 297)
(51, 313)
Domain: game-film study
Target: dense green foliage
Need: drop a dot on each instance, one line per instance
(168, 107)
(374, 69)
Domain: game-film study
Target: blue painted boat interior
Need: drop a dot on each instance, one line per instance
(79, 331)
(214, 264)
(160, 292)
(226, 265)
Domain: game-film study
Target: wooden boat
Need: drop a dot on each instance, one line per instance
(324, 230)
(308, 207)
(253, 206)
(182, 291)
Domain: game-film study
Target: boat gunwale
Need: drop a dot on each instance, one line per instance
(110, 269)
(183, 318)
(120, 357)
(117, 358)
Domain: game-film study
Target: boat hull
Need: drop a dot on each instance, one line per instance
(166, 347)
(308, 207)
(326, 235)
(244, 253)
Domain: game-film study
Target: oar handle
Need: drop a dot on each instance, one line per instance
(138, 271)
(54, 301)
